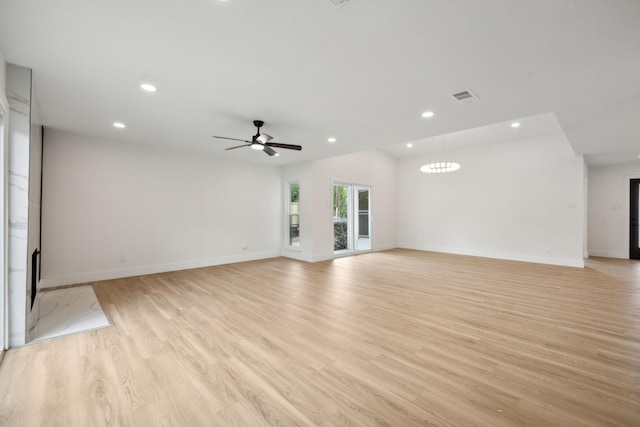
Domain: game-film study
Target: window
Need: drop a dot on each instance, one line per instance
(293, 208)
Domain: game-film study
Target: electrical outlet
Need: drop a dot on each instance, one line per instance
(244, 247)
(123, 258)
(547, 248)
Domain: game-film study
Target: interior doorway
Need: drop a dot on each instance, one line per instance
(351, 218)
(634, 214)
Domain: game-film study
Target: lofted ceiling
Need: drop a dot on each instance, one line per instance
(528, 127)
(362, 73)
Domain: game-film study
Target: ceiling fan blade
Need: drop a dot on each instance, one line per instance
(238, 146)
(287, 146)
(269, 151)
(233, 139)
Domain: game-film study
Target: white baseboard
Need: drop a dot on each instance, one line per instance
(118, 273)
(16, 340)
(385, 247)
(609, 254)
(92, 276)
(300, 256)
(322, 257)
(329, 255)
(566, 262)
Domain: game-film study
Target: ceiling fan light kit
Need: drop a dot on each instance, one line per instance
(264, 138)
(261, 142)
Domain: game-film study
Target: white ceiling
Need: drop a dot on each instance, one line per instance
(530, 127)
(362, 73)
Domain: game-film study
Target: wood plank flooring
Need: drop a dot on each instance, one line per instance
(396, 338)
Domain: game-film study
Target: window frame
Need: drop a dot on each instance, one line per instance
(290, 213)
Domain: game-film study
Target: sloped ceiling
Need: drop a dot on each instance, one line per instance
(363, 72)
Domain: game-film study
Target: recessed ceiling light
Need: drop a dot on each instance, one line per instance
(119, 125)
(409, 145)
(277, 154)
(515, 125)
(332, 140)
(148, 87)
(428, 114)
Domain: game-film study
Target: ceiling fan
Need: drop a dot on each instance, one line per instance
(261, 141)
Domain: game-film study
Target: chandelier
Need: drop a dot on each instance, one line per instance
(440, 167)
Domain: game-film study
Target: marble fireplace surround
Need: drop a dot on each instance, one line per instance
(35, 314)
(21, 238)
(68, 311)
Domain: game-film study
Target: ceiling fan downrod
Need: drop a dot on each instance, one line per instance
(258, 124)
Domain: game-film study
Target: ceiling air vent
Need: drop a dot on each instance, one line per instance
(338, 3)
(465, 96)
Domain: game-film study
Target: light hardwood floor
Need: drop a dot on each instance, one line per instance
(397, 338)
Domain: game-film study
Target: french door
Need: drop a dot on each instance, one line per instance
(351, 218)
(634, 225)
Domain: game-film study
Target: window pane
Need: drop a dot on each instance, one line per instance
(295, 192)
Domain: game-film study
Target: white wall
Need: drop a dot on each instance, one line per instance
(373, 168)
(508, 200)
(3, 77)
(608, 214)
(162, 209)
(165, 209)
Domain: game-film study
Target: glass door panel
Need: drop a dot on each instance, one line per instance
(363, 222)
(351, 218)
(342, 229)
